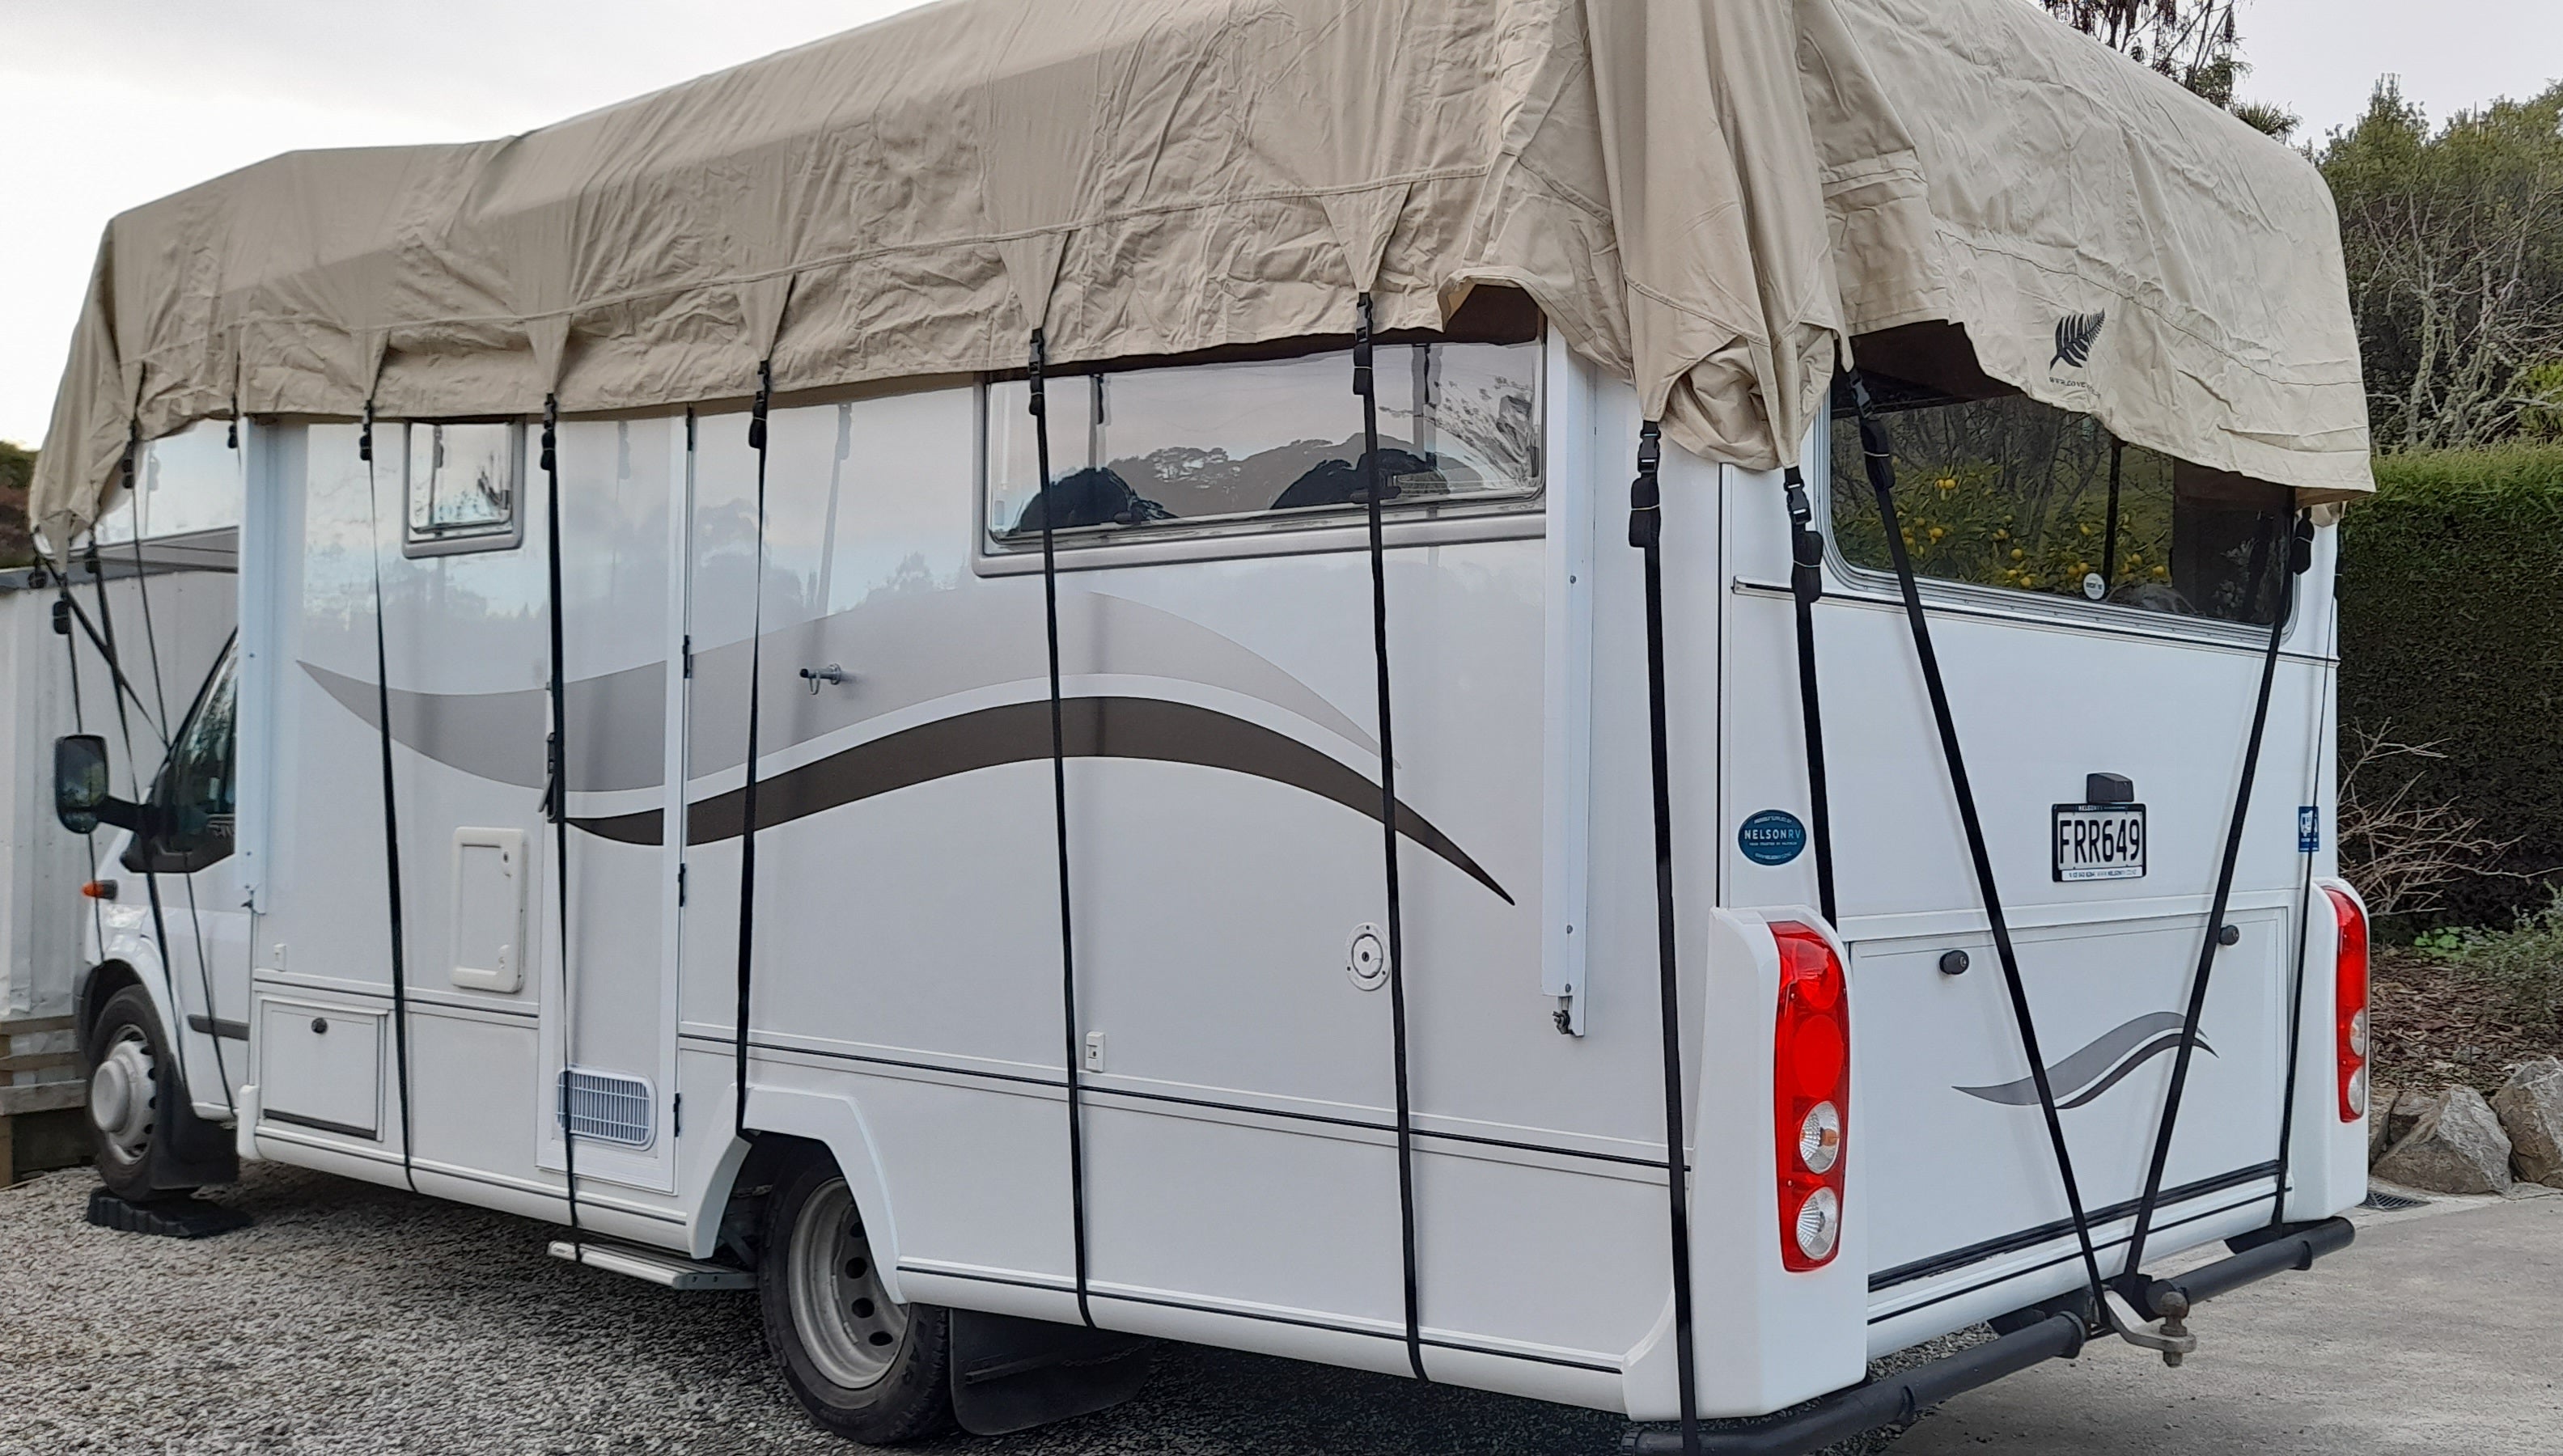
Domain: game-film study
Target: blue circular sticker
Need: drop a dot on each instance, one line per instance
(1773, 836)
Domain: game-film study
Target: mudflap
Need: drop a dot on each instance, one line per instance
(1011, 1374)
(194, 1154)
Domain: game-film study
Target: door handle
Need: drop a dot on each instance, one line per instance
(831, 674)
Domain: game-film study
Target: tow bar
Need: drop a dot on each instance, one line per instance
(2058, 1336)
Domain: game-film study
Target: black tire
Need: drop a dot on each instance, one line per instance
(145, 1135)
(863, 1368)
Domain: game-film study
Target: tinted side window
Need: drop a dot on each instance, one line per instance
(2017, 494)
(1265, 441)
(192, 804)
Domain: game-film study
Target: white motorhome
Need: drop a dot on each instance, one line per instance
(1193, 863)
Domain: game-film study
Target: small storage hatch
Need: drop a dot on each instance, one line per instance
(490, 910)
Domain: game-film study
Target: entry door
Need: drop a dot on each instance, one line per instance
(609, 1004)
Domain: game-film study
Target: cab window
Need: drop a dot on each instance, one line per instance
(2014, 494)
(191, 809)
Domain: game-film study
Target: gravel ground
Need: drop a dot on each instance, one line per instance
(356, 1318)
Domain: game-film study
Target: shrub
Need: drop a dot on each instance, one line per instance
(2520, 969)
(2451, 604)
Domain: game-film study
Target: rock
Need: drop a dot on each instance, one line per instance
(2532, 1112)
(2456, 1147)
(2380, 1120)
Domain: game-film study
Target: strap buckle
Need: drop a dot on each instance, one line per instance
(1362, 384)
(1646, 493)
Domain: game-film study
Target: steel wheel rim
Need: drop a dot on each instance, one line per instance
(123, 1091)
(848, 1324)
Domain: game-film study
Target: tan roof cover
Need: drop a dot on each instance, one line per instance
(1158, 176)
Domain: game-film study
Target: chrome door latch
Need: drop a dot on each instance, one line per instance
(831, 674)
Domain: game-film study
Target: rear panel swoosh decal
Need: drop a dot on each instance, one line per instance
(2111, 1056)
(1096, 727)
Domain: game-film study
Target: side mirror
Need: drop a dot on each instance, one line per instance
(81, 797)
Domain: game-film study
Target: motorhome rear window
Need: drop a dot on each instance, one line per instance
(2014, 494)
(1256, 444)
(462, 486)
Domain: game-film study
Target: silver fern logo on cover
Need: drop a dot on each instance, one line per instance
(2075, 335)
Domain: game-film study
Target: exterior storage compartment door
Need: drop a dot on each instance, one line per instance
(320, 1067)
(1949, 1122)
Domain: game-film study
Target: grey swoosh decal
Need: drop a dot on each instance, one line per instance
(2085, 1075)
(1096, 727)
(617, 728)
(900, 651)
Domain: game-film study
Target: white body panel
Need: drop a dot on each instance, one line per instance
(1240, 1173)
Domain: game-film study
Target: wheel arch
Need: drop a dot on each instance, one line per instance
(97, 986)
(791, 1124)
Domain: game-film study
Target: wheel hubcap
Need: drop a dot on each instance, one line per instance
(846, 1320)
(121, 1095)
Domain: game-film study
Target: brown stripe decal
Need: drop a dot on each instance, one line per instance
(1097, 727)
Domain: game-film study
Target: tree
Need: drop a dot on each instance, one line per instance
(17, 469)
(2453, 241)
(2194, 42)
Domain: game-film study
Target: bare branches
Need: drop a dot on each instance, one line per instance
(2400, 850)
(2194, 42)
(2453, 241)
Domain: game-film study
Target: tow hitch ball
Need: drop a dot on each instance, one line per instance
(2171, 1338)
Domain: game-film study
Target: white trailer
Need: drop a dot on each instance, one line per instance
(955, 865)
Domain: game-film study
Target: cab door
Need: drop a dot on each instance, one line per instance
(190, 863)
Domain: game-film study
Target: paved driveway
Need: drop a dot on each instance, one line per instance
(355, 1319)
(2438, 1332)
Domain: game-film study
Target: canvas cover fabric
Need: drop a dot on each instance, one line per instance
(1705, 197)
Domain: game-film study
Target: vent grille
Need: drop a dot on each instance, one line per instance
(605, 1107)
(2385, 1203)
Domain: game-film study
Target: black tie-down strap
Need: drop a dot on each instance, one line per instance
(1879, 462)
(1038, 393)
(757, 420)
(1806, 588)
(163, 729)
(102, 636)
(2212, 939)
(391, 805)
(556, 804)
(160, 696)
(1646, 533)
(1375, 490)
(2309, 843)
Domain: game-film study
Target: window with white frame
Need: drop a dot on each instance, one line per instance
(1261, 444)
(462, 487)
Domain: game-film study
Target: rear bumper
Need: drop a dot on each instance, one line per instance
(1905, 1396)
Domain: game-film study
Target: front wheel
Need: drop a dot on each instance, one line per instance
(135, 1098)
(862, 1364)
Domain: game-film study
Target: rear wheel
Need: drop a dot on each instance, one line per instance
(863, 1364)
(134, 1096)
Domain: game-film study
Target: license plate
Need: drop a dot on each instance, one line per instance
(2100, 841)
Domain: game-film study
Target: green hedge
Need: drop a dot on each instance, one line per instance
(2452, 632)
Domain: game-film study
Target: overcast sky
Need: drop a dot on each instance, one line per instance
(106, 104)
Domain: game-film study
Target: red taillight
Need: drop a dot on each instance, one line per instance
(1810, 1095)
(2349, 1003)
